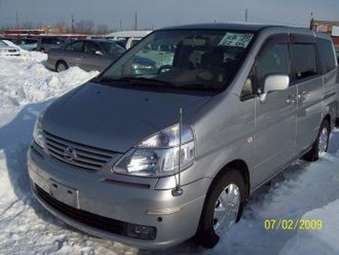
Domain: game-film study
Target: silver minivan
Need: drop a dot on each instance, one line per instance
(154, 155)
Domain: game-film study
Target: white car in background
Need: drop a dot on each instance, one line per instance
(128, 39)
(8, 48)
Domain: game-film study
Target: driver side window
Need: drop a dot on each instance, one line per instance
(273, 59)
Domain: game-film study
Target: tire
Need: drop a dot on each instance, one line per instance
(318, 148)
(208, 233)
(61, 66)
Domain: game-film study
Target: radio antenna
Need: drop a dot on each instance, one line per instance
(178, 190)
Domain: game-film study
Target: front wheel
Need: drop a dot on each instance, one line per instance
(61, 66)
(222, 208)
(320, 146)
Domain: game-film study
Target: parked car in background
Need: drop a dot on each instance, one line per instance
(87, 54)
(44, 44)
(26, 43)
(128, 39)
(154, 158)
(7, 49)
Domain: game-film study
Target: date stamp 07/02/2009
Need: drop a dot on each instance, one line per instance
(293, 224)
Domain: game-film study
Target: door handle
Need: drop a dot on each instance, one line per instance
(302, 96)
(291, 99)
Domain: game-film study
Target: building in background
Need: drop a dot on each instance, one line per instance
(330, 27)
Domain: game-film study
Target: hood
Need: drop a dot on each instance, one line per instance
(116, 118)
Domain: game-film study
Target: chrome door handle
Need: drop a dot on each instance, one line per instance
(291, 99)
(302, 96)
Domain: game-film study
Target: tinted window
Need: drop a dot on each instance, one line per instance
(113, 48)
(274, 59)
(92, 48)
(76, 46)
(52, 41)
(326, 53)
(304, 61)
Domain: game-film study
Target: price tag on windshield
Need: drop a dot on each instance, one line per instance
(241, 40)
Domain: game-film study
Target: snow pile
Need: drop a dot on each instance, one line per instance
(25, 80)
(324, 241)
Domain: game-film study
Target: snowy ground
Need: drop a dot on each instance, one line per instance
(26, 87)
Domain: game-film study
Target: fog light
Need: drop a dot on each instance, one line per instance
(141, 232)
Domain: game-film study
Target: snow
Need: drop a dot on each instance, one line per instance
(304, 190)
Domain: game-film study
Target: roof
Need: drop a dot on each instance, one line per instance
(131, 33)
(224, 26)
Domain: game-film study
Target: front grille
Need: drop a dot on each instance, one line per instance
(84, 217)
(79, 155)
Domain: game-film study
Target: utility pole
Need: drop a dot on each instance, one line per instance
(16, 19)
(72, 24)
(136, 21)
(312, 21)
(246, 15)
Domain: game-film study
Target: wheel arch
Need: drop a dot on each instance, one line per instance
(238, 165)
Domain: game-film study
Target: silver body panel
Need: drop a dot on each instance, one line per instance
(265, 136)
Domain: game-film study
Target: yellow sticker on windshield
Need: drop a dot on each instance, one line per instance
(241, 40)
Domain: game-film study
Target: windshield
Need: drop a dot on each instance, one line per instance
(2, 44)
(188, 59)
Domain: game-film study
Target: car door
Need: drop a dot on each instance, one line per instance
(94, 57)
(73, 53)
(309, 82)
(276, 117)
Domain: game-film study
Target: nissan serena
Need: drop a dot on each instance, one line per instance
(153, 155)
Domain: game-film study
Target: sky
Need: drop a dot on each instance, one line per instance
(160, 13)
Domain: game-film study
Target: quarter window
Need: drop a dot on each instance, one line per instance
(304, 61)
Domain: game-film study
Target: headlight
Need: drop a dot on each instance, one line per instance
(158, 155)
(38, 133)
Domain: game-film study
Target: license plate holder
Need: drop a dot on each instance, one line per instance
(64, 194)
(58, 191)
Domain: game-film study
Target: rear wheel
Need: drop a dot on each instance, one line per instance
(320, 146)
(222, 208)
(61, 66)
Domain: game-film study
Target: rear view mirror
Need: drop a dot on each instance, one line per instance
(274, 83)
(99, 53)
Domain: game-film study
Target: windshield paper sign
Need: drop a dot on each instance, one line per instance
(236, 40)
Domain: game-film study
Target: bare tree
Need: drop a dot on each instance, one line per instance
(102, 29)
(84, 27)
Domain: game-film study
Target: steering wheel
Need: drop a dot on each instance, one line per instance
(164, 69)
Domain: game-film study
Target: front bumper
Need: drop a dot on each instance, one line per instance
(121, 202)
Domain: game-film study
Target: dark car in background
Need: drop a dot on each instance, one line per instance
(44, 44)
(87, 54)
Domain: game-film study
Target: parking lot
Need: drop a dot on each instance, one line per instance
(302, 191)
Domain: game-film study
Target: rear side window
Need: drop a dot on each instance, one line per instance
(75, 46)
(304, 59)
(92, 48)
(327, 58)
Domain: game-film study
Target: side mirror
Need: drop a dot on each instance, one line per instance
(274, 83)
(99, 53)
